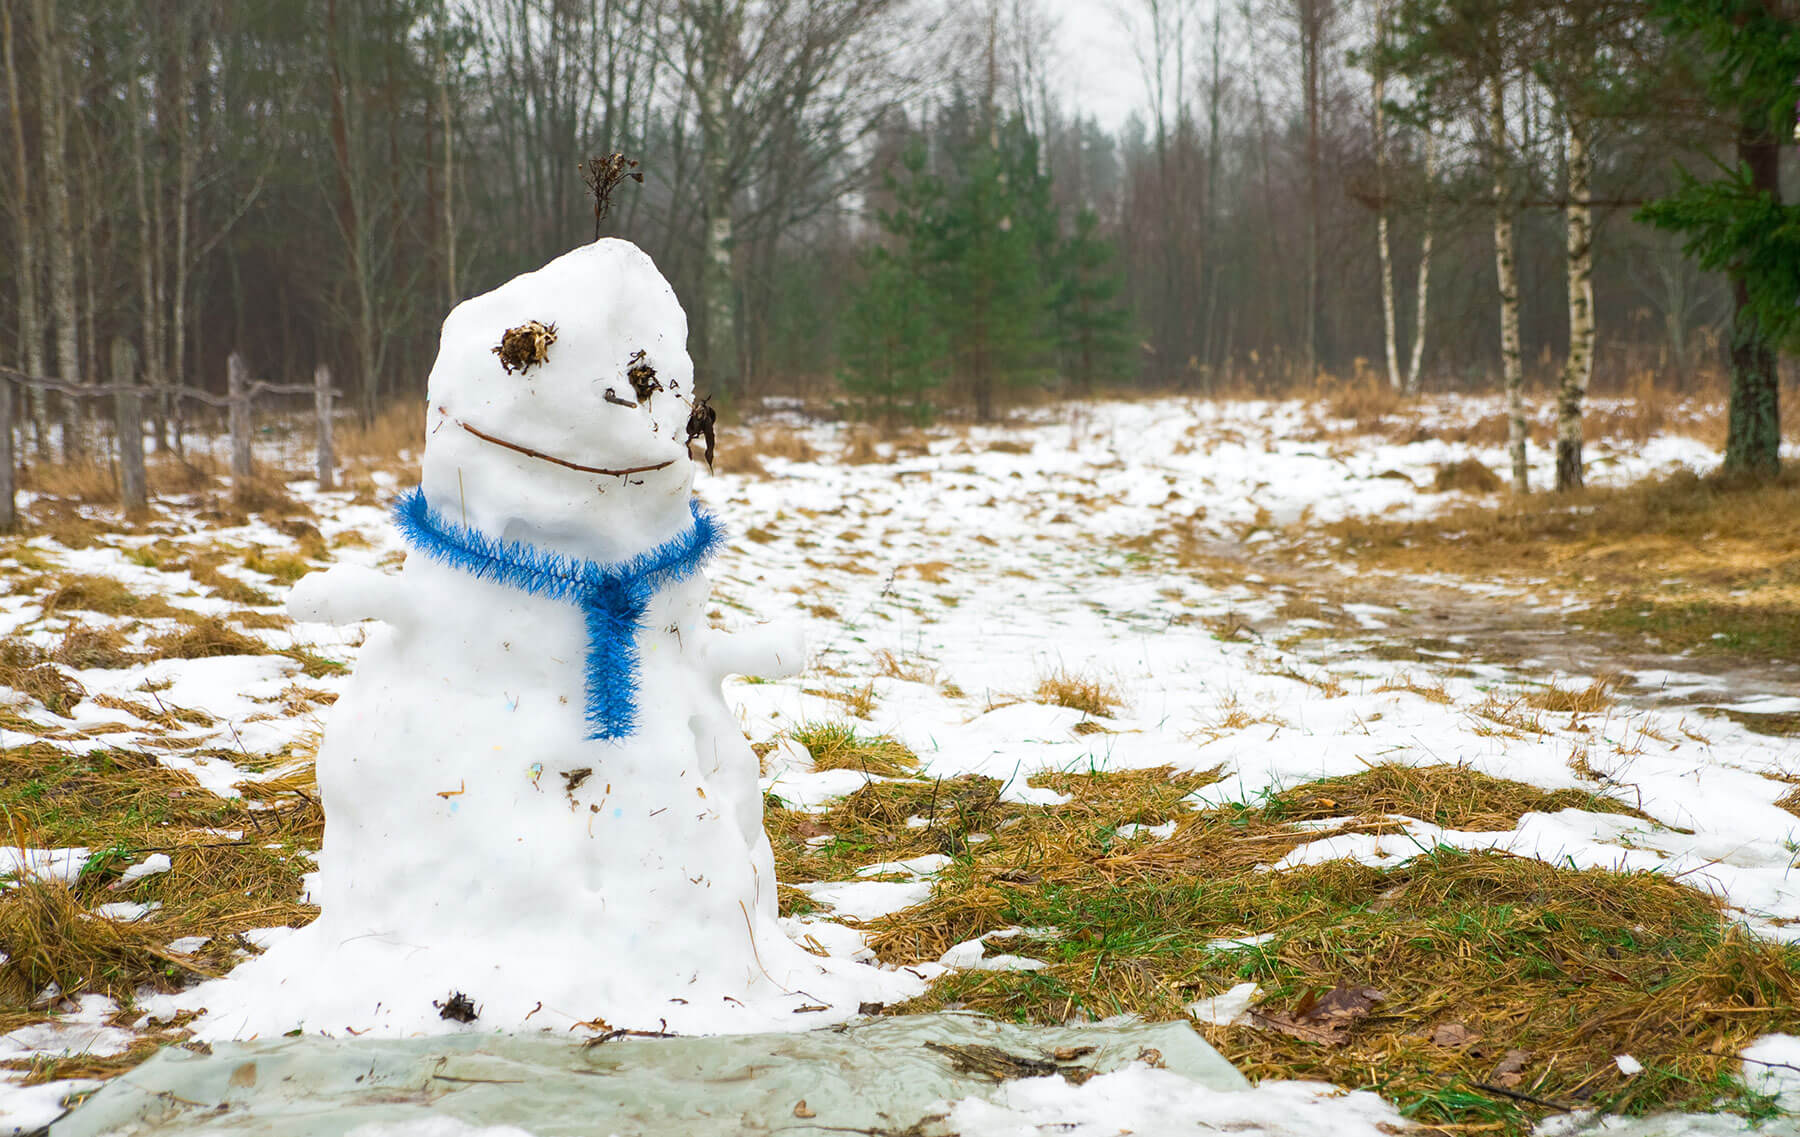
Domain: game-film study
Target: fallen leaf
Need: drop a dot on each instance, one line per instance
(1151, 1057)
(1454, 1035)
(800, 1109)
(1071, 1053)
(1511, 1070)
(1324, 1019)
(244, 1076)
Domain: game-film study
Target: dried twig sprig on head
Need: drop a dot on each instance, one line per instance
(602, 176)
(521, 347)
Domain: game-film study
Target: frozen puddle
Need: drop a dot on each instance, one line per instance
(881, 1075)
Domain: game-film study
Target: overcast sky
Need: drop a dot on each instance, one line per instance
(1099, 72)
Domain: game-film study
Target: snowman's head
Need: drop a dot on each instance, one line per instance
(558, 407)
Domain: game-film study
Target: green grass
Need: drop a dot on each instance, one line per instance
(1766, 631)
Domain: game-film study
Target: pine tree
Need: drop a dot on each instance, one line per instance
(988, 256)
(1738, 223)
(1092, 327)
(892, 349)
(892, 346)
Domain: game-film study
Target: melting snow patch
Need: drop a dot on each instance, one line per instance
(149, 866)
(867, 899)
(1223, 1010)
(1142, 1100)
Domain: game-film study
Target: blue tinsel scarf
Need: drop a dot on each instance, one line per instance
(611, 597)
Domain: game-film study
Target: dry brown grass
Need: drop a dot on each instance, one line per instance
(838, 746)
(1592, 699)
(206, 638)
(50, 937)
(1564, 968)
(1689, 562)
(905, 668)
(103, 594)
(1455, 797)
(1467, 476)
(1089, 694)
(392, 441)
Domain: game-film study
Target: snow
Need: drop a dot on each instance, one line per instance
(28, 1109)
(149, 866)
(1226, 1008)
(435, 1127)
(1143, 1100)
(504, 869)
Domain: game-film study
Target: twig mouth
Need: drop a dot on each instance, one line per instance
(563, 462)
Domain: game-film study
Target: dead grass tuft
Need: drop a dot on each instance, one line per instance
(49, 937)
(83, 647)
(206, 638)
(1592, 699)
(57, 692)
(1467, 476)
(102, 594)
(1088, 694)
(1455, 797)
(838, 746)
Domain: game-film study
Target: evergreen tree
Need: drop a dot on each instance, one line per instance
(892, 347)
(1738, 223)
(988, 258)
(1092, 327)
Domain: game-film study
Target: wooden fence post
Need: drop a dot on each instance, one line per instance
(128, 413)
(239, 384)
(9, 515)
(322, 404)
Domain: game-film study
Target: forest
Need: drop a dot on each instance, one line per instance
(891, 201)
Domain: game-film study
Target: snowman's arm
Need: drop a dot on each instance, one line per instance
(348, 593)
(769, 651)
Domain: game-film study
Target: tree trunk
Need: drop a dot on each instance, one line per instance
(1579, 368)
(1418, 343)
(134, 498)
(717, 38)
(443, 93)
(1753, 433)
(147, 276)
(238, 385)
(31, 332)
(1506, 272)
(1311, 33)
(327, 456)
(1383, 250)
(53, 111)
(186, 161)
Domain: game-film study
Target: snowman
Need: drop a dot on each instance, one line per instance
(540, 811)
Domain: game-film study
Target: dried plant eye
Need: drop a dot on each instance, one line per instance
(643, 378)
(528, 344)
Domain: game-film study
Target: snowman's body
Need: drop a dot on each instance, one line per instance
(483, 834)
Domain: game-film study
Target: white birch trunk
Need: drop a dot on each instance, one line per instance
(1506, 272)
(1578, 214)
(715, 269)
(1381, 208)
(1417, 363)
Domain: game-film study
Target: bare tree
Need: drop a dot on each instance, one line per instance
(31, 338)
(53, 110)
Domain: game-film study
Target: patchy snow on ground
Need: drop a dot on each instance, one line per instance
(950, 577)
